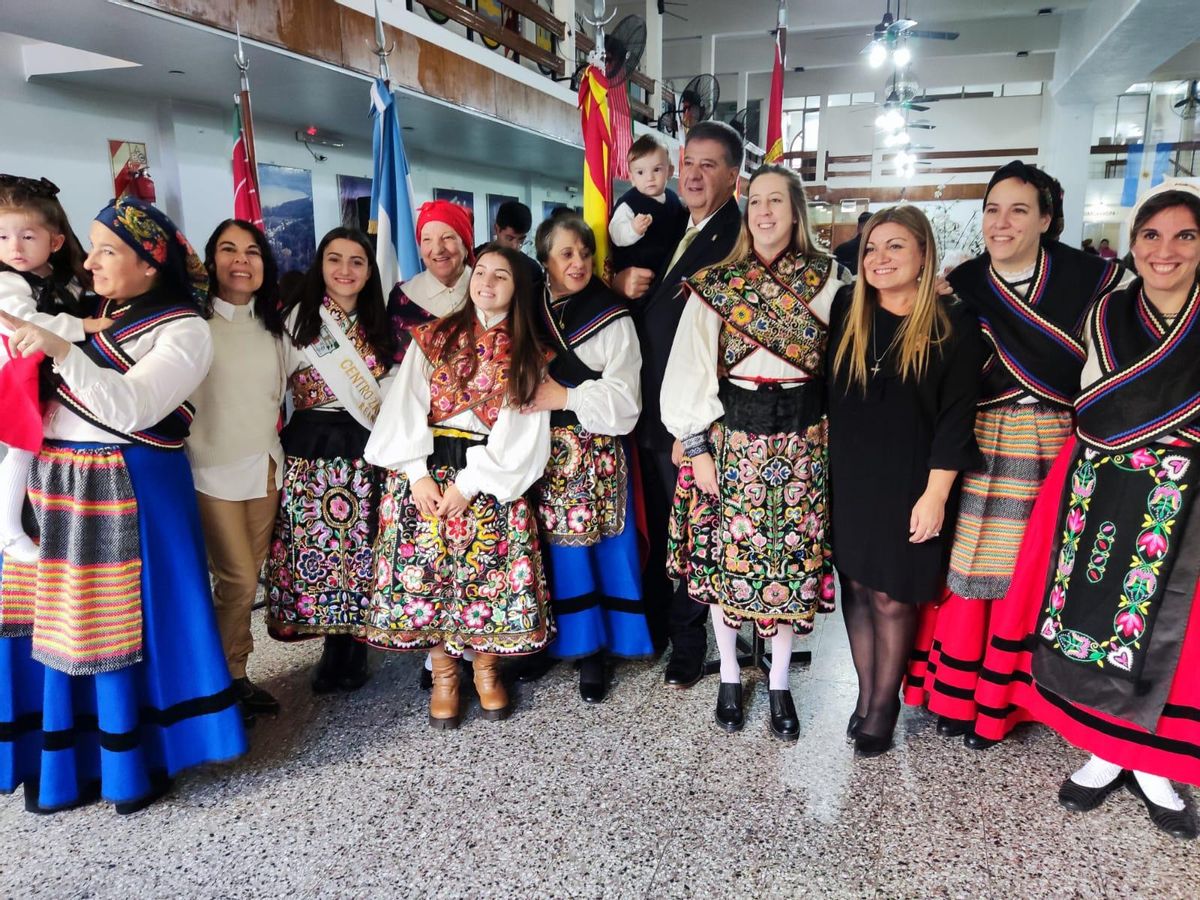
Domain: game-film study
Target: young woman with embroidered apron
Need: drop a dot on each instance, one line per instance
(744, 393)
(338, 346)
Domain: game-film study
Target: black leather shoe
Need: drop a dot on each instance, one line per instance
(253, 699)
(357, 670)
(533, 667)
(1077, 798)
(948, 727)
(333, 660)
(729, 707)
(592, 686)
(868, 745)
(1178, 823)
(785, 724)
(852, 727)
(684, 670)
(426, 679)
(978, 742)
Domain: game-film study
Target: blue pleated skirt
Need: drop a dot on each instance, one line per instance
(596, 596)
(118, 734)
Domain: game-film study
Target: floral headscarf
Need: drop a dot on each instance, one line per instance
(154, 238)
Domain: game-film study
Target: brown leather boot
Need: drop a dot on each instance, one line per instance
(444, 709)
(493, 698)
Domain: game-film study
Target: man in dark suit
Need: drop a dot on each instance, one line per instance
(712, 158)
(847, 251)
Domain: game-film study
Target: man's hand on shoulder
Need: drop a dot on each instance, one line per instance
(633, 282)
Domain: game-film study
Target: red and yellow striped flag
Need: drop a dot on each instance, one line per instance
(597, 154)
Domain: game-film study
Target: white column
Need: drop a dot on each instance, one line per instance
(1065, 153)
(708, 54)
(164, 166)
(564, 11)
(652, 59)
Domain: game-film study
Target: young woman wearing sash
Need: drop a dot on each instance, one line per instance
(744, 393)
(904, 373)
(445, 235)
(1102, 623)
(112, 677)
(584, 502)
(338, 348)
(1030, 294)
(234, 448)
(459, 562)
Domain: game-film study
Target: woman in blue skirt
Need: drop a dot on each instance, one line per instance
(584, 501)
(112, 676)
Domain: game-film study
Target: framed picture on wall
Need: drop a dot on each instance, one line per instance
(494, 201)
(464, 199)
(130, 170)
(287, 205)
(354, 199)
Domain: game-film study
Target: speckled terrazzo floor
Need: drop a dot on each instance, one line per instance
(354, 796)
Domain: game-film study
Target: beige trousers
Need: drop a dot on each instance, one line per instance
(237, 534)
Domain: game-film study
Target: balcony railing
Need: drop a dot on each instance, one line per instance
(875, 164)
(1109, 161)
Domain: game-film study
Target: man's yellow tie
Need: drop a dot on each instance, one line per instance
(684, 243)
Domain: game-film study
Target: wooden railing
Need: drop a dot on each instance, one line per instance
(865, 163)
(1182, 160)
(506, 37)
(804, 162)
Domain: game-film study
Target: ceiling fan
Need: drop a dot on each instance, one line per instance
(1189, 106)
(890, 29)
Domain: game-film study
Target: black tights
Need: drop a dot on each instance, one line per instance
(881, 633)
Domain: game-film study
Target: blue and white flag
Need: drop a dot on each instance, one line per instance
(391, 195)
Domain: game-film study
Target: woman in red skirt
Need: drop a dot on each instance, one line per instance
(1100, 634)
(1030, 293)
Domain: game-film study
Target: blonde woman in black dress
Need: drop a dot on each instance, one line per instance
(904, 369)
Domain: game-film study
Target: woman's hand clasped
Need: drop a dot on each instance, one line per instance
(704, 470)
(453, 503)
(26, 339)
(927, 517)
(427, 497)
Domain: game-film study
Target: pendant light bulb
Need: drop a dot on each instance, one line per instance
(877, 55)
(902, 56)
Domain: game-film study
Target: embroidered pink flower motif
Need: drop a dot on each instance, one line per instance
(1075, 520)
(411, 578)
(1057, 598)
(502, 548)
(477, 614)
(578, 518)
(827, 587)
(383, 573)
(406, 551)
(520, 573)
(305, 607)
(741, 590)
(1152, 544)
(740, 527)
(775, 594)
(419, 612)
(339, 508)
(1130, 624)
(1142, 458)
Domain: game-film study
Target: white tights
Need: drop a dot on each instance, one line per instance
(14, 475)
(731, 672)
(1097, 772)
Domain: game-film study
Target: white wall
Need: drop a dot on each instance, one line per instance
(60, 131)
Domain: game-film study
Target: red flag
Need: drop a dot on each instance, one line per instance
(246, 204)
(597, 153)
(775, 105)
(622, 130)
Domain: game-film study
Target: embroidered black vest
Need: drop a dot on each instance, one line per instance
(1036, 339)
(105, 350)
(767, 307)
(1150, 382)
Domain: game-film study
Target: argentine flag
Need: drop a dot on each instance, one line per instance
(391, 195)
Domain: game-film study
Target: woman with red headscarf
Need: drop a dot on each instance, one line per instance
(445, 234)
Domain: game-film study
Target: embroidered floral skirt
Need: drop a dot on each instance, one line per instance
(473, 581)
(320, 570)
(585, 511)
(759, 549)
